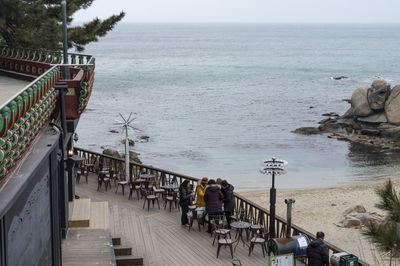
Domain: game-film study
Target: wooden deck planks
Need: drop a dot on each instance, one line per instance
(158, 236)
(99, 215)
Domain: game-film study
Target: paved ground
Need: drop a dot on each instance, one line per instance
(9, 87)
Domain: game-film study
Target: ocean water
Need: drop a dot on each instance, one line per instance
(217, 99)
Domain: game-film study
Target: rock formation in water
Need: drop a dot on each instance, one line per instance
(372, 119)
(133, 156)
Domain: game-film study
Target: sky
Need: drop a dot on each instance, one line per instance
(278, 11)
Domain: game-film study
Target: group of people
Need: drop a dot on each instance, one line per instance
(216, 196)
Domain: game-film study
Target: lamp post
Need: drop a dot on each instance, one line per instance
(273, 167)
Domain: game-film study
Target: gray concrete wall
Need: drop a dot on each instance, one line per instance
(28, 225)
(29, 207)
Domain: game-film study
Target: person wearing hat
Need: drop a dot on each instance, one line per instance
(200, 190)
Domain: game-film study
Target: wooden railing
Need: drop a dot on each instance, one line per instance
(253, 212)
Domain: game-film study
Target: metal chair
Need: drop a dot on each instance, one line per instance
(217, 227)
(149, 197)
(134, 186)
(260, 239)
(225, 242)
(103, 179)
(171, 198)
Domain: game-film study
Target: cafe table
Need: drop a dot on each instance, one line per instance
(240, 226)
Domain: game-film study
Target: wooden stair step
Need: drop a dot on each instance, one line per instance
(85, 246)
(81, 213)
(99, 215)
(128, 260)
(122, 250)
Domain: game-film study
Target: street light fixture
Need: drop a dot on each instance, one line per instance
(273, 167)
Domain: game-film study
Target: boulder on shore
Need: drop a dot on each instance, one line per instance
(357, 208)
(357, 216)
(111, 152)
(377, 94)
(359, 102)
(374, 118)
(307, 130)
(392, 106)
(131, 142)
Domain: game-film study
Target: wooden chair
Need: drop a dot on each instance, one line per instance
(260, 239)
(149, 197)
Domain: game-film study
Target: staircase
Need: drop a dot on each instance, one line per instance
(88, 214)
(123, 254)
(88, 240)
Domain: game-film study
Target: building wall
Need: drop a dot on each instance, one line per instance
(28, 225)
(30, 219)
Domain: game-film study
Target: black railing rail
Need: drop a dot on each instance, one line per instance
(252, 211)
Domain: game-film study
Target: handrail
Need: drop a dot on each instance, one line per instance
(37, 80)
(26, 112)
(43, 55)
(33, 62)
(23, 115)
(255, 212)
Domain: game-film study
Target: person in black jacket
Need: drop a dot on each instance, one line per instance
(317, 252)
(213, 198)
(184, 200)
(229, 203)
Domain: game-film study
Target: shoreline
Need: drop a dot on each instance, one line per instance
(321, 209)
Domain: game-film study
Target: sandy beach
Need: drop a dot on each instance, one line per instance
(321, 209)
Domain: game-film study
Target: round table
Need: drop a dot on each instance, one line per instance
(170, 187)
(240, 226)
(147, 176)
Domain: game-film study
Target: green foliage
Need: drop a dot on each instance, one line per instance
(37, 24)
(384, 234)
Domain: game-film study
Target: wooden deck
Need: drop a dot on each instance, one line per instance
(157, 235)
